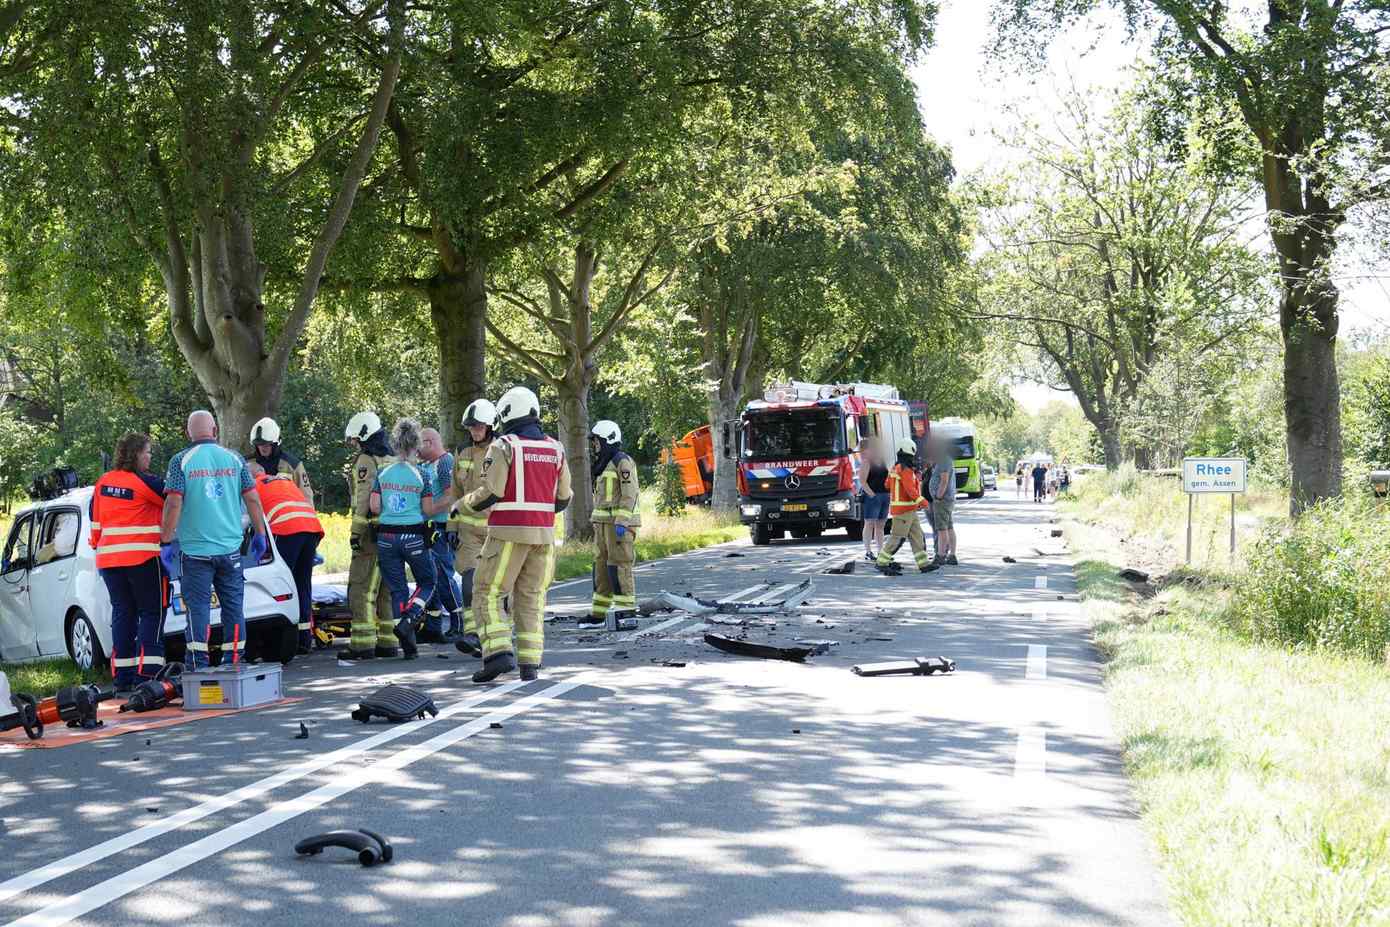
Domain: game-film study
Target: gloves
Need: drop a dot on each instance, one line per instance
(431, 534)
(171, 556)
(620, 530)
(258, 547)
(355, 542)
(453, 538)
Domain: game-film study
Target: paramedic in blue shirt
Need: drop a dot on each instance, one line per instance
(443, 543)
(403, 497)
(208, 489)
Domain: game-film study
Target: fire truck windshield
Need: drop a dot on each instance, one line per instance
(800, 435)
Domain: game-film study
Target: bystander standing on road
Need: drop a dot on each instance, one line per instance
(874, 504)
(209, 489)
(1039, 480)
(942, 487)
(1018, 479)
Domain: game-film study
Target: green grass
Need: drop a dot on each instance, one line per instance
(659, 536)
(48, 676)
(1262, 772)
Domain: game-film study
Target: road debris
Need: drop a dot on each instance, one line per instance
(370, 848)
(919, 666)
(1056, 532)
(818, 647)
(672, 663)
(395, 704)
(793, 596)
(303, 732)
(496, 725)
(843, 569)
(733, 553)
(1010, 560)
(745, 648)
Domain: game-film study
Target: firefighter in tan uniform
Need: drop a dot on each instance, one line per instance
(373, 625)
(525, 483)
(471, 528)
(616, 519)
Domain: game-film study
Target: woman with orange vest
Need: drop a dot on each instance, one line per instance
(127, 505)
(904, 501)
(297, 531)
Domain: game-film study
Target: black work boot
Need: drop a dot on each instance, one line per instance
(431, 637)
(530, 672)
(454, 632)
(356, 656)
(469, 644)
(405, 633)
(494, 666)
(952, 561)
(386, 652)
(889, 569)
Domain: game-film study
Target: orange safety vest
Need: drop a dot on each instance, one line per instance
(285, 507)
(125, 520)
(529, 498)
(905, 491)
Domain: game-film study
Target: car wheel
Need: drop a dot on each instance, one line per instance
(83, 644)
(855, 530)
(288, 645)
(760, 534)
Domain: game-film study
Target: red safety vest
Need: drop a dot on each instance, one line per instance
(285, 507)
(529, 501)
(125, 520)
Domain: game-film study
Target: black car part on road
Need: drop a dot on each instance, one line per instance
(396, 704)
(371, 848)
(919, 666)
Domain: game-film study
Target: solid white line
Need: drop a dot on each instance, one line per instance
(74, 906)
(653, 629)
(1030, 757)
(61, 867)
(1040, 582)
(1037, 662)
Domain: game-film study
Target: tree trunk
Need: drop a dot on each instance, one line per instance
(724, 496)
(573, 394)
(458, 309)
(1110, 441)
(1312, 414)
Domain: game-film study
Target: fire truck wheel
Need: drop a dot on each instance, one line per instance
(761, 534)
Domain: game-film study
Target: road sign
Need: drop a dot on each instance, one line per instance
(1213, 474)
(1201, 475)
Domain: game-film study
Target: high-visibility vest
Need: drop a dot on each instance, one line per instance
(125, 520)
(285, 507)
(905, 491)
(529, 500)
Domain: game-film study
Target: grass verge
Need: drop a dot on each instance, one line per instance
(1263, 772)
(44, 678)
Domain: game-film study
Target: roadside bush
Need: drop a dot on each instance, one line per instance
(1321, 582)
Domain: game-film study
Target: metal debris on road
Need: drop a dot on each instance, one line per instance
(1056, 532)
(733, 554)
(843, 569)
(744, 648)
(818, 647)
(920, 666)
(694, 605)
(673, 663)
(1010, 560)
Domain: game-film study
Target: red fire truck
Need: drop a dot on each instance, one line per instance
(797, 451)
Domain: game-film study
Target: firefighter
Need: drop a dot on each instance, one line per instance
(471, 528)
(402, 495)
(616, 519)
(275, 460)
(525, 483)
(904, 501)
(442, 541)
(373, 626)
(127, 505)
(296, 530)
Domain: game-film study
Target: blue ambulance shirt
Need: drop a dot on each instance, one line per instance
(211, 480)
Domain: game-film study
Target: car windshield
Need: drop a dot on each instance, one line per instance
(793, 435)
(962, 448)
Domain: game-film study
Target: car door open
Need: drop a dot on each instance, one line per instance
(18, 640)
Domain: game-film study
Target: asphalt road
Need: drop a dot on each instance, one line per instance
(621, 791)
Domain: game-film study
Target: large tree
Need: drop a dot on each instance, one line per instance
(1306, 81)
(1109, 257)
(220, 137)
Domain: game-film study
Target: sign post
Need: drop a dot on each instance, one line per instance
(1202, 475)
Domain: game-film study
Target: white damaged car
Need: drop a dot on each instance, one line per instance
(53, 601)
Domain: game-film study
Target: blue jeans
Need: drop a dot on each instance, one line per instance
(393, 553)
(200, 576)
(446, 592)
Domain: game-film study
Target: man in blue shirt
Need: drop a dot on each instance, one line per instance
(446, 598)
(201, 535)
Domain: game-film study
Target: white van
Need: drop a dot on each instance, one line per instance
(53, 601)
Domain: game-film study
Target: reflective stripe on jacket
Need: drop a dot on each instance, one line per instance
(616, 493)
(905, 491)
(532, 480)
(285, 507)
(125, 520)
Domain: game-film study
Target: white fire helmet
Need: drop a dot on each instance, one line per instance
(517, 402)
(265, 432)
(480, 412)
(607, 432)
(362, 426)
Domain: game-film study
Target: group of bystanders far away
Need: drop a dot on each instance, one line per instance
(1047, 480)
(940, 488)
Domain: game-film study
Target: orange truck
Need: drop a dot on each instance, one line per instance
(694, 455)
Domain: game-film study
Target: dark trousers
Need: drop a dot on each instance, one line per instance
(1038, 490)
(137, 620)
(298, 550)
(446, 598)
(394, 553)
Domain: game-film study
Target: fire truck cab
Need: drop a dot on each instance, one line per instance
(797, 452)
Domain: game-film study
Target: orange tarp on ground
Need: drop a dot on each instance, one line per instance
(116, 724)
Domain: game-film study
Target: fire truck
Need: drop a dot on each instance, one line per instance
(797, 453)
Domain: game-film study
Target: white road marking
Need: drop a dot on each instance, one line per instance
(669, 622)
(83, 902)
(742, 592)
(774, 594)
(1040, 613)
(61, 867)
(1030, 757)
(1037, 662)
(1040, 582)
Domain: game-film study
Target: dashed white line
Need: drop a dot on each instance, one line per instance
(1037, 662)
(1040, 582)
(74, 906)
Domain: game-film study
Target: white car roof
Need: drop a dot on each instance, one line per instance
(78, 497)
